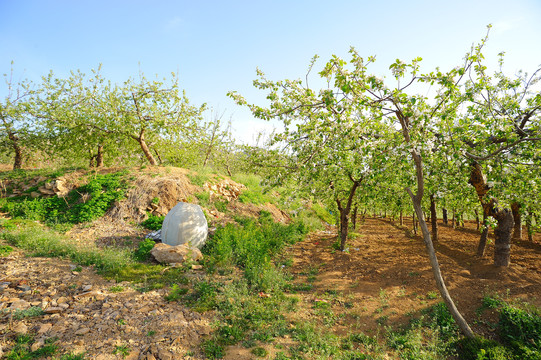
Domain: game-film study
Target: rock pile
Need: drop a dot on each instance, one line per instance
(226, 189)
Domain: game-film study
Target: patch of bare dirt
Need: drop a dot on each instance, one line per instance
(385, 277)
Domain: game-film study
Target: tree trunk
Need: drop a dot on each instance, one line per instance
(401, 218)
(483, 240)
(504, 217)
(144, 147)
(529, 227)
(99, 156)
(414, 224)
(502, 235)
(517, 232)
(354, 218)
(477, 222)
(445, 219)
(345, 210)
(417, 200)
(18, 159)
(453, 220)
(344, 220)
(434, 217)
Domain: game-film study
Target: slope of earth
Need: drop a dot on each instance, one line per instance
(385, 277)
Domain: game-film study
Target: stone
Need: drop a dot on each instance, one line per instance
(185, 223)
(82, 331)
(44, 328)
(53, 310)
(19, 305)
(60, 188)
(168, 254)
(20, 329)
(38, 344)
(155, 235)
(24, 288)
(464, 272)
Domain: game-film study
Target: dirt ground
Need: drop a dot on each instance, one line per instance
(385, 278)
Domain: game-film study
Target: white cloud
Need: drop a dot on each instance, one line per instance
(174, 24)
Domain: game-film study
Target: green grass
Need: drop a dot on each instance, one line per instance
(42, 242)
(323, 213)
(199, 178)
(22, 349)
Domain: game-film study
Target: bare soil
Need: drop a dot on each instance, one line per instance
(385, 276)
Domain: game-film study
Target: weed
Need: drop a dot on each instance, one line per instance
(204, 198)
(221, 206)
(122, 350)
(323, 213)
(143, 251)
(432, 295)
(259, 352)
(198, 179)
(22, 349)
(33, 311)
(153, 222)
(382, 320)
(518, 326)
(151, 333)
(116, 289)
(5, 250)
(212, 349)
(73, 357)
(84, 204)
(176, 293)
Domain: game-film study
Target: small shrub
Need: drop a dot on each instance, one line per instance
(153, 222)
(176, 293)
(259, 352)
(122, 350)
(143, 251)
(5, 250)
(30, 312)
(212, 349)
(481, 349)
(520, 326)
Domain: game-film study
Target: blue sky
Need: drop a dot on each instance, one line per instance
(216, 46)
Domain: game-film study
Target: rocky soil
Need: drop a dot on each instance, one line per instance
(86, 313)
